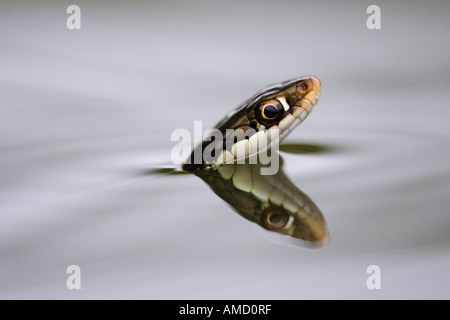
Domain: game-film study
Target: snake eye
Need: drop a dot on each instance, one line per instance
(269, 112)
(275, 219)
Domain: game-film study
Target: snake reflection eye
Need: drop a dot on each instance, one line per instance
(275, 219)
(269, 112)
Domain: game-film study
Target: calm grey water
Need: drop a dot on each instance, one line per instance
(82, 112)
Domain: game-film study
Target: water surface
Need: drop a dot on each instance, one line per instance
(84, 113)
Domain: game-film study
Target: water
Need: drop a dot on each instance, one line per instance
(84, 113)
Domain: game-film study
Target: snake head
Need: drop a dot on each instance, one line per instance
(260, 123)
(274, 105)
(285, 105)
(268, 117)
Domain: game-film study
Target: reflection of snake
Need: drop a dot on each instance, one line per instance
(278, 107)
(272, 201)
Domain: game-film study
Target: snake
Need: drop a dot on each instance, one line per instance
(271, 201)
(248, 130)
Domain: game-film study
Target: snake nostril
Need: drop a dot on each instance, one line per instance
(303, 86)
